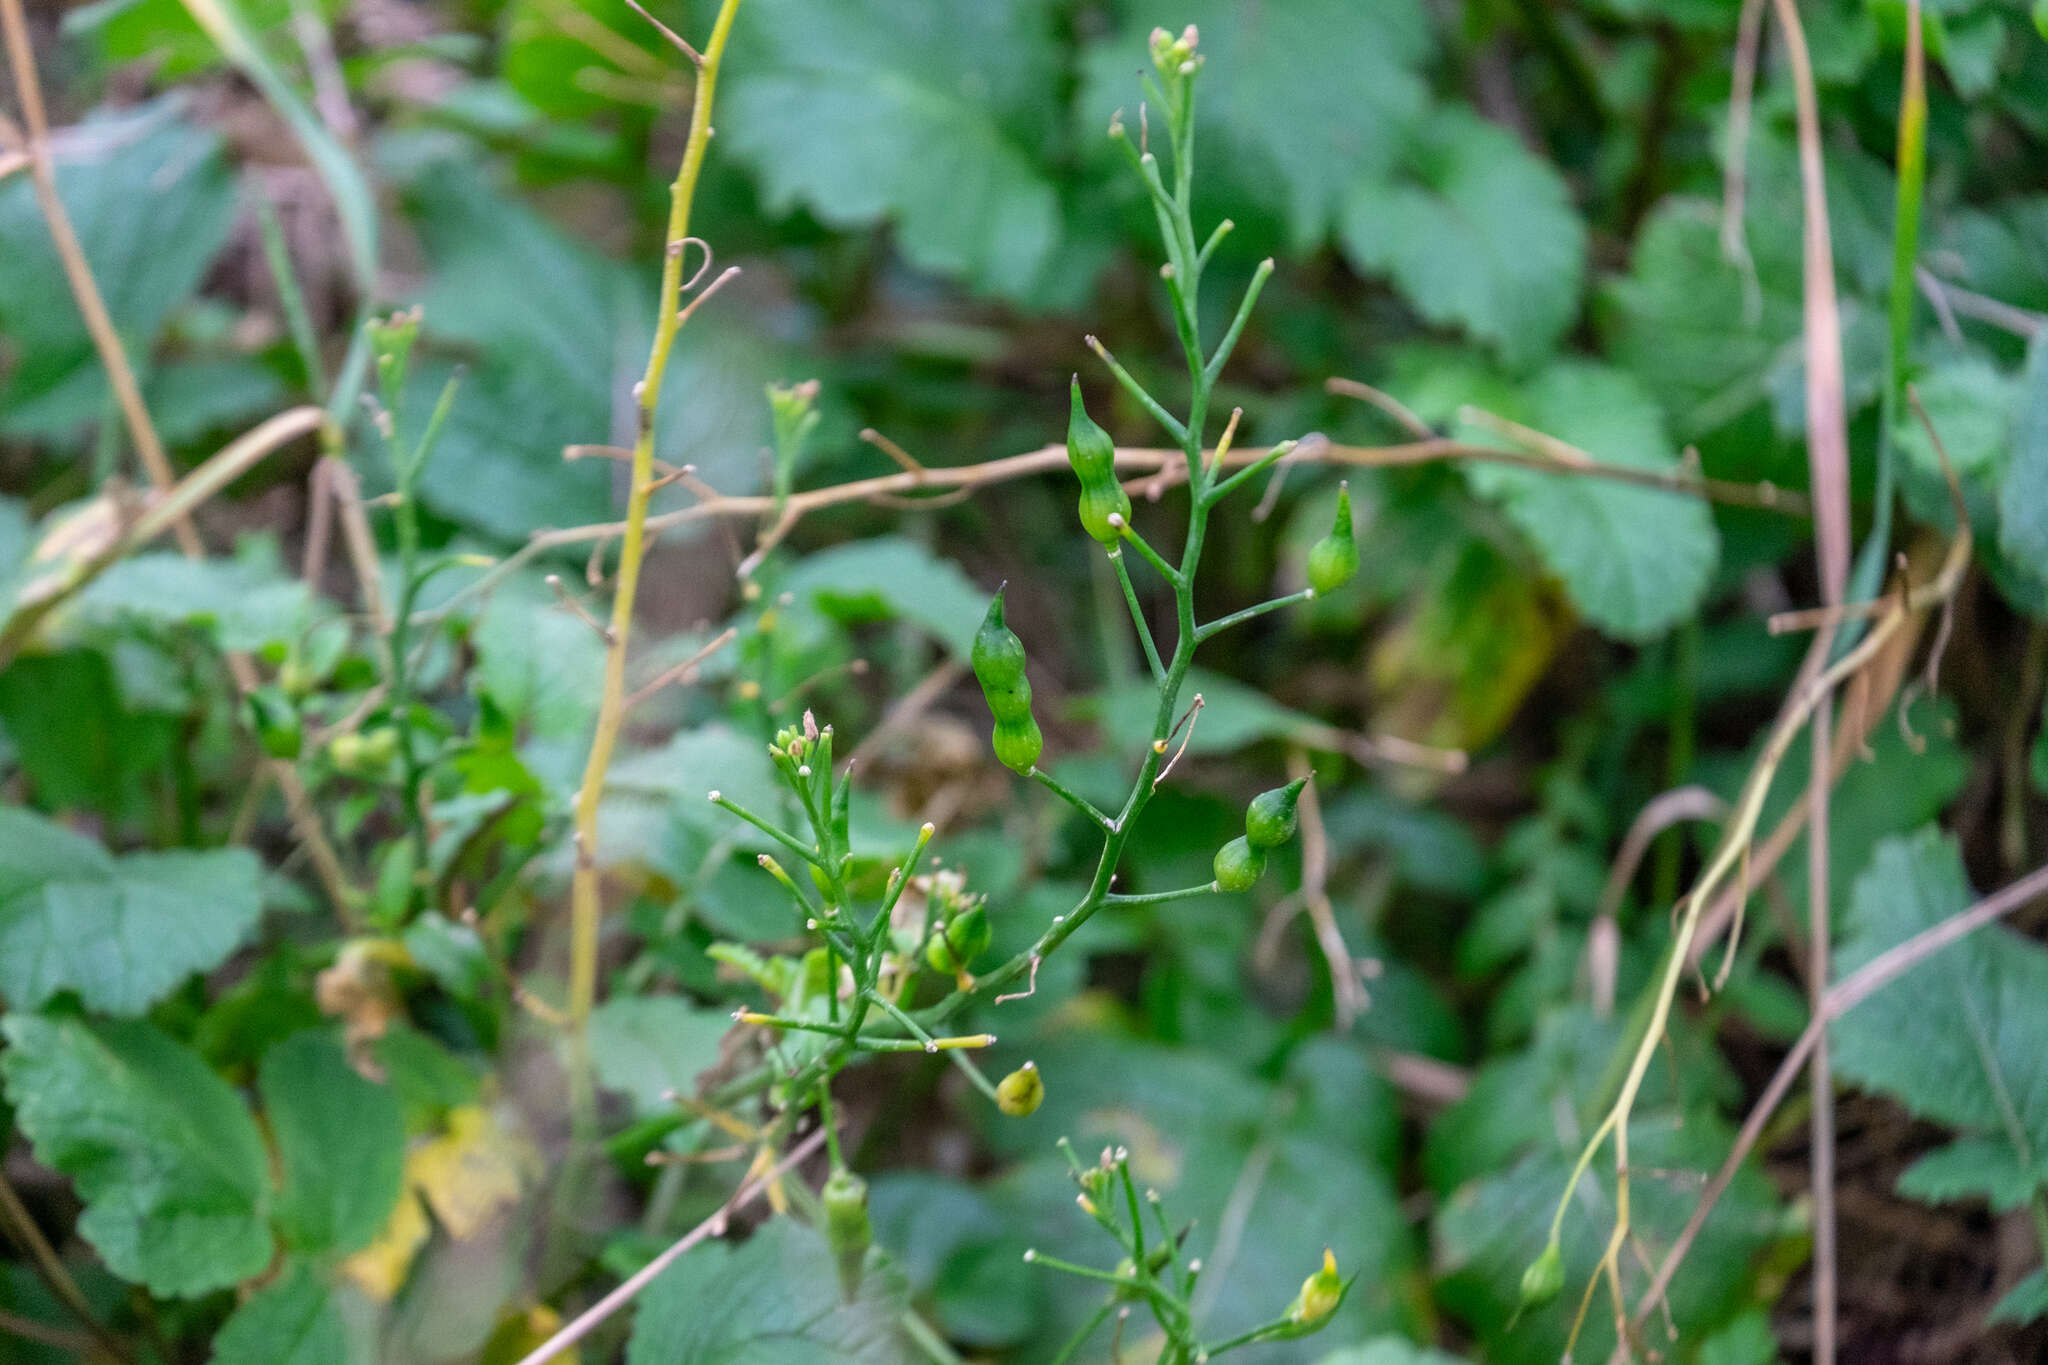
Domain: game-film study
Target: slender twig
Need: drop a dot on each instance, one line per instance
(50, 1268)
(586, 905)
(713, 505)
(85, 290)
(1827, 448)
(1839, 999)
(1661, 813)
(593, 1317)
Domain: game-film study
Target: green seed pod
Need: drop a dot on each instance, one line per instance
(1239, 865)
(1098, 503)
(1089, 448)
(998, 654)
(1269, 819)
(1021, 1092)
(965, 938)
(1093, 456)
(1018, 744)
(848, 1229)
(1334, 559)
(1543, 1279)
(276, 722)
(1009, 705)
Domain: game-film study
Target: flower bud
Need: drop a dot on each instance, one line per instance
(1320, 1294)
(1020, 1092)
(1544, 1278)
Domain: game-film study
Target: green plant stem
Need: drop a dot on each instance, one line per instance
(809, 855)
(1143, 627)
(1160, 897)
(1249, 613)
(1074, 799)
(586, 904)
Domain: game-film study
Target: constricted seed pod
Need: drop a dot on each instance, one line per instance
(1093, 455)
(1018, 744)
(1239, 865)
(997, 655)
(1334, 559)
(1269, 820)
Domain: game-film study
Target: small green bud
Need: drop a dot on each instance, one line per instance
(965, 938)
(1239, 865)
(848, 1230)
(1334, 559)
(1020, 1093)
(1544, 1278)
(275, 720)
(1320, 1294)
(1269, 819)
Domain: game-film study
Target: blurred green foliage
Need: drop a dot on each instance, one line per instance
(319, 1121)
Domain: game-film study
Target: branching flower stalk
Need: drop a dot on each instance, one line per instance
(585, 896)
(1153, 1273)
(853, 992)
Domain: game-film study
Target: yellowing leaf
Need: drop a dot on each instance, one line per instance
(379, 1268)
(520, 1332)
(466, 1175)
(472, 1171)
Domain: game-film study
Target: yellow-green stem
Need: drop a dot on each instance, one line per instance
(586, 906)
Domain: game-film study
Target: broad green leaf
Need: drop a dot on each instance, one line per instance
(1634, 560)
(1976, 1011)
(1973, 1168)
(1477, 233)
(166, 1157)
(120, 931)
(2025, 1302)
(773, 1300)
(928, 117)
(82, 740)
(1699, 331)
(542, 666)
(293, 1320)
(891, 577)
(340, 1143)
(152, 201)
(1257, 62)
(652, 1047)
(2023, 496)
(245, 602)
